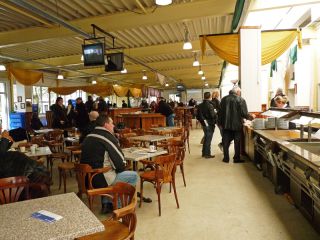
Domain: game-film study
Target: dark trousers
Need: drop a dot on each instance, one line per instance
(208, 134)
(228, 136)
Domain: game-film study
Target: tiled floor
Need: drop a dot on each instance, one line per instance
(221, 201)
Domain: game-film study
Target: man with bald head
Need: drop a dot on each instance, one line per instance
(233, 109)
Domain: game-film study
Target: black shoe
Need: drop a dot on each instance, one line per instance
(258, 166)
(239, 161)
(220, 147)
(209, 156)
(225, 161)
(107, 208)
(146, 200)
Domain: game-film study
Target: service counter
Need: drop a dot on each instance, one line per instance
(115, 113)
(143, 120)
(291, 163)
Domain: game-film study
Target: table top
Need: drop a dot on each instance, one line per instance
(150, 138)
(46, 130)
(40, 151)
(165, 128)
(71, 139)
(77, 220)
(137, 154)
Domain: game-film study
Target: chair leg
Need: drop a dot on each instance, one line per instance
(158, 189)
(141, 192)
(60, 176)
(182, 171)
(64, 177)
(175, 191)
(188, 145)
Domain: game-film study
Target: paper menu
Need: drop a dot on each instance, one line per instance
(46, 216)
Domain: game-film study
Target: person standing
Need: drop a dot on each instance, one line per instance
(82, 117)
(207, 117)
(59, 117)
(216, 104)
(233, 109)
(165, 109)
(124, 104)
(89, 104)
(101, 149)
(70, 113)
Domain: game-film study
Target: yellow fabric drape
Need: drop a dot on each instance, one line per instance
(120, 91)
(23, 76)
(273, 44)
(63, 90)
(135, 92)
(226, 46)
(99, 89)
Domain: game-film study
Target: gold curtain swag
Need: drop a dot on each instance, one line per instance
(120, 91)
(23, 76)
(135, 92)
(273, 45)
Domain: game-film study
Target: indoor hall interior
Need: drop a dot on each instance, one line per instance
(221, 201)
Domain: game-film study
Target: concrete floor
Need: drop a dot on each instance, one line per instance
(221, 201)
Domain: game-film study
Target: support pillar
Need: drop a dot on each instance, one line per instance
(249, 68)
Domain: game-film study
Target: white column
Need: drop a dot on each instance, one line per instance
(249, 68)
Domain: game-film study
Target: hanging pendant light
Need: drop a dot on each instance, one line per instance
(187, 44)
(124, 70)
(2, 67)
(195, 63)
(200, 72)
(144, 77)
(203, 77)
(163, 2)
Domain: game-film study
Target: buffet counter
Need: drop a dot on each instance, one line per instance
(292, 164)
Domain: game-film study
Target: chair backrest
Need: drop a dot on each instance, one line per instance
(83, 172)
(56, 135)
(12, 187)
(39, 140)
(165, 167)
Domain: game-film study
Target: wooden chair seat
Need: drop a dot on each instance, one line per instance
(151, 175)
(113, 230)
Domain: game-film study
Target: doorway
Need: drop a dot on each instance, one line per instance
(4, 116)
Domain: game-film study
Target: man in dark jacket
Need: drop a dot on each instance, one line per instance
(59, 117)
(82, 117)
(101, 149)
(165, 109)
(233, 109)
(89, 104)
(207, 117)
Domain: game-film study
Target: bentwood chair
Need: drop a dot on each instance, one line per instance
(178, 148)
(164, 172)
(12, 187)
(84, 175)
(123, 223)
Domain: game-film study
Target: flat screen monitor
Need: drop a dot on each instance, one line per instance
(114, 62)
(93, 54)
(181, 87)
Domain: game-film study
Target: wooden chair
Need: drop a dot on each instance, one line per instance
(178, 148)
(39, 140)
(124, 221)
(83, 172)
(164, 172)
(12, 187)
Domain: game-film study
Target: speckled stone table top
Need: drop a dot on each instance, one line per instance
(77, 221)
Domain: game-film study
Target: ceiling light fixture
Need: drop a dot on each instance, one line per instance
(203, 77)
(200, 72)
(124, 70)
(163, 2)
(2, 67)
(82, 58)
(116, 85)
(60, 76)
(195, 63)
(94, 82)
(206, 84)
(144, 77)
(187, 44)
(167, 85)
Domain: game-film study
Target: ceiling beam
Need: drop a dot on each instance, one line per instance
(121, 21)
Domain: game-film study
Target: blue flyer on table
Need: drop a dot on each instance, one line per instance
(46, 216)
